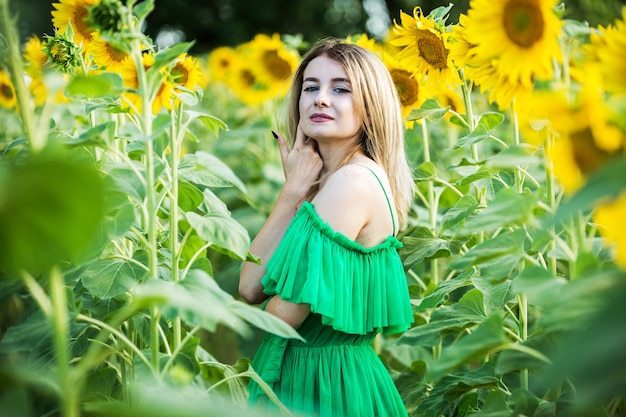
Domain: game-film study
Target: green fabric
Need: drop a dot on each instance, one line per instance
(354, 292)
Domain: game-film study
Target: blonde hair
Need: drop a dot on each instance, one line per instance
(376, 101)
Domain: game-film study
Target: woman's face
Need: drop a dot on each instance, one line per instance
(326, 104)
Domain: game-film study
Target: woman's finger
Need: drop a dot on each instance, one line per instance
(282, 145)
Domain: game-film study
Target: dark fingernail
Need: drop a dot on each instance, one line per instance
(275, 134)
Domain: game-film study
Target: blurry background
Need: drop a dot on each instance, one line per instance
(214, 23)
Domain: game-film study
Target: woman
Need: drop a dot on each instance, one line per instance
(329, 261)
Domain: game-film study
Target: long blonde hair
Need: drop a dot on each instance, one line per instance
(376, 101)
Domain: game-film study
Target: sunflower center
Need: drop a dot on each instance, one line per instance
(432, 49)
(407, 87)
(523, 22)
(180, 74)
(81, 14)
(248, 78)
(278, 67)
(587, 155)
(115, 54)
(6, 91)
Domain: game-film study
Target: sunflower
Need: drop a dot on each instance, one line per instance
(132, 97)
(273, 61)
(7, 91)
(186, 73)
(426, 48)
(222, 61)
(106, 55)
(608, 48)
(518, 37)
(34, 55)
(76, 13)
(583, 127)
(610, 218)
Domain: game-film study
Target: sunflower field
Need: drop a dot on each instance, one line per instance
(132, 179)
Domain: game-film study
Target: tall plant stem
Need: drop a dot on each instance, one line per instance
(60, 325)
(37, 139)
(522, 302)
(430, 196)
(176, 144)
(519, 174)
(147, 96)
(550, 196)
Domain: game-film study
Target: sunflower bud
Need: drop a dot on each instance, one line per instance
(106, 16)
(62, 52)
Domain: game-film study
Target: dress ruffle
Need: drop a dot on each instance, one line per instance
(355, 289)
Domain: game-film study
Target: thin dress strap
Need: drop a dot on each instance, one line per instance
(393, 221)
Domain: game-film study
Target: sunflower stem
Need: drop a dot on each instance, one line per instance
(36, 136)
(176, 115)
(432, 202)
(547, 140)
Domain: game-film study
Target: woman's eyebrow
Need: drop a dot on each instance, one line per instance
(338, 79)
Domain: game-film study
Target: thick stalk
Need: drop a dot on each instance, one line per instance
(522, 302)
(35, 135)
(430, 196)
(175, 143)
(60, 326)
(550, 196)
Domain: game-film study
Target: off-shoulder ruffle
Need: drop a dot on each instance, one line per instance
(355, 289)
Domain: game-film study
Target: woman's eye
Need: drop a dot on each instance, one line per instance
(342, 90)
(309, 88)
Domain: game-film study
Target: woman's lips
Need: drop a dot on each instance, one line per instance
(320, 117)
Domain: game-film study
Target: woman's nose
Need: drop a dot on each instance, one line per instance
(322, 100)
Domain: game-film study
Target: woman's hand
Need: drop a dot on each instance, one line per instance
(302, 164)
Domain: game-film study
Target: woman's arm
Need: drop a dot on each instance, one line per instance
(302, 166)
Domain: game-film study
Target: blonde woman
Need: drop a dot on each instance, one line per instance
(329, 261)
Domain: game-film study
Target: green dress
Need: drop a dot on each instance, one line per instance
(354, 293)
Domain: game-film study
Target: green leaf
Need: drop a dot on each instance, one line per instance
(223, 232)
(166, 56)
(459, 212)
(93, 136)
(491, 120)
(109, 278)
(444, 289)
(513, 157)
(430, 110)
(424, 171)
(486, 337)
(143, 9)
(126, 180)
(263, 320)
(507, 208)
(421, 245)
(102, 85)
(189, 196)
(211, 122)
(479, 134)
(507, 243)
(50, 210)
(468, 311)
(203, 168)
(197, 299)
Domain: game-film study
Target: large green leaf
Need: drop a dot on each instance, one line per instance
(488, 336)
(109, 278)
(479, 134)
(421, 245)
(197, 299)
(105, 84)
(223, 232)
(189, 196)
(205, 169)
(508, 207)
(444, 289)
(513, 157)
(50, 210)
(459, 212)
(430, 110)
(467, 312)
(507, 243)
(263, 320)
